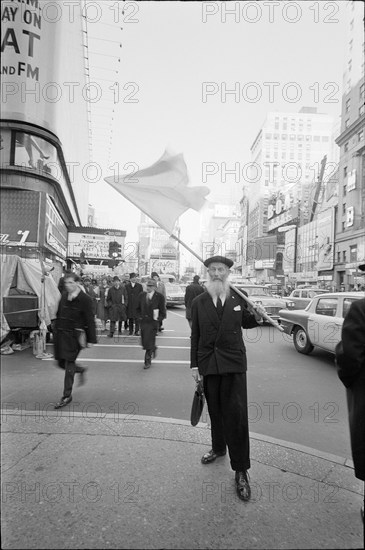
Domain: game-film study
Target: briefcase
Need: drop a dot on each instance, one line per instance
(198, 404)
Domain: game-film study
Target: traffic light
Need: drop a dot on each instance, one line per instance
(119, 250)
(113, 249)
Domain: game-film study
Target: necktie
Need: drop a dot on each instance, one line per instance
(219, 308)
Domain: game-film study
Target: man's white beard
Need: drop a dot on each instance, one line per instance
(217, 288)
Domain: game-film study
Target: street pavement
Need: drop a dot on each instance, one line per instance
(85, 477)
(85, 481)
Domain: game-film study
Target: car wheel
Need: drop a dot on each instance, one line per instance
(301, 341)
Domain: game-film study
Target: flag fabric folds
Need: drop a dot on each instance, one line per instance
(161, 191)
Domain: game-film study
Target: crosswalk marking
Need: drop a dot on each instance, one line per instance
(155, 361)
(136, 346)
(159, 336)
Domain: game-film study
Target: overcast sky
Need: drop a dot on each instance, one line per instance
(169, 50)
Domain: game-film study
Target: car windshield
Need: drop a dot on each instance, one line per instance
(257, 291)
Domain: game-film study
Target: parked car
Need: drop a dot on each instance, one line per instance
(320, 323)
(301, 297)
(175, 295)
(262, 295)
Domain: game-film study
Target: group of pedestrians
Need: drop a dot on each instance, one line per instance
(82, 302)
(216, 316)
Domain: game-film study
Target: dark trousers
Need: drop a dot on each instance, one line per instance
(112, 326)
(70, 368)
(133, 321)
(226, 397)
(356, 410)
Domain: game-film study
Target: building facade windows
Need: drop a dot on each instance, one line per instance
(353, 253)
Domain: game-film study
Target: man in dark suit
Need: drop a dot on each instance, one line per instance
(74, 314)
(191, 291)
(218, 354)
(351, 370)
(133, 289)
(151, 309)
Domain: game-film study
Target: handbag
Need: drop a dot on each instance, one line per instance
(81, 337)
(197, 404)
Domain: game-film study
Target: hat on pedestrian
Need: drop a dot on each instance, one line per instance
(151, 282)
(116, 278)
(154, 274)
(218, 259)
(196, 278)
(362, 267)
(131, 275)
(86, 279)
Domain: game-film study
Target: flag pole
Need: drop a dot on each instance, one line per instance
(252, 304)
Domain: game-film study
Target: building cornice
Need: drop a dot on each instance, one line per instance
(350, 131)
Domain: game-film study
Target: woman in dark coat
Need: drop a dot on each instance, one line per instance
(151, 309)
(74, 314)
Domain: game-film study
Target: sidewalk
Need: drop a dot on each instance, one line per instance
(77, 481)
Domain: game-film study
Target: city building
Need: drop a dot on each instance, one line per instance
(288, 155)
(350, 215)
(43, 164)
(157, 250)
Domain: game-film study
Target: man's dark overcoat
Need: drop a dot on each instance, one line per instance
(218, 347)
(71, 315)
(133, 293)
(353, 342)
(149, 325)
(117, 301)
(192, 291)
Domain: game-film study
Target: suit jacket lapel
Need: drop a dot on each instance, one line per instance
(211, 310)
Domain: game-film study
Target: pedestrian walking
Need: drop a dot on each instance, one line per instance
(133, 289)
(151, 309)
(191, 291)
(102, 309)
(74, 321)
(117, 301)
(162, 290)
(218, 355)
(350, 358)
(90, 291)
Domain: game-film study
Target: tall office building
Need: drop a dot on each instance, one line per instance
(350, 218)
(286, 154)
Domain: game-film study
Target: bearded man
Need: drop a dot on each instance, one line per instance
(218, 354)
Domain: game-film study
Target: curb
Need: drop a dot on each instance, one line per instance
(163, 420)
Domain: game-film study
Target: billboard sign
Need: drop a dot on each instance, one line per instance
(325, 240)
(94, 245)
(20, 217)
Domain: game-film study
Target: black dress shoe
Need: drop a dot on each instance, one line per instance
(64, 401)
(110, 335)
(136, 333)
(242, 486)
(211, 456)
(147, 360)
